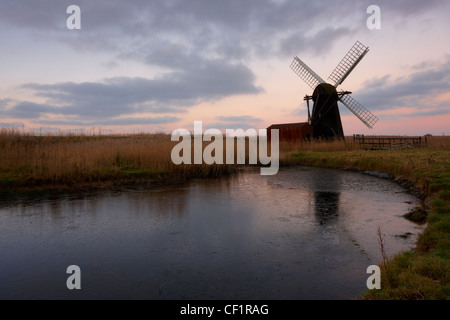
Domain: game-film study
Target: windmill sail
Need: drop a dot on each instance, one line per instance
(303, 71)
(358, 110)
(323, 124)
(348, 63)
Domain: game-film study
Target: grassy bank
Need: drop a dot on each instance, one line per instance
(423, 273)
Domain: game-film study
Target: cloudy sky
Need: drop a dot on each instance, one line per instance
(161, 65)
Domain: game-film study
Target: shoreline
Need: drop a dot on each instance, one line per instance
(37, 166)
(424, 272)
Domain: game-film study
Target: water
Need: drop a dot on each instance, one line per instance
(304, 233)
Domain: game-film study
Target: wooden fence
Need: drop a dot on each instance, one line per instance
(389, 143)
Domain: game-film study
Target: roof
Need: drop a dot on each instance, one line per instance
(289, 125)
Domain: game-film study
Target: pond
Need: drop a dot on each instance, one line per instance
(304, 233)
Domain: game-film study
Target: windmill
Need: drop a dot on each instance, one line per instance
(325, 117)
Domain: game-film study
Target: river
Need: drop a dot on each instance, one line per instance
(304, 233)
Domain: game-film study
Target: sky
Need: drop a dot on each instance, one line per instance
(156, 66)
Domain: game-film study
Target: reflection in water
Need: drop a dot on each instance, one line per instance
(326, 187)
(326, 206)
(297, 235)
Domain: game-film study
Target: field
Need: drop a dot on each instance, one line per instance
(37, 164)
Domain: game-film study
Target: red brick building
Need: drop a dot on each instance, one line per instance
(292, 131)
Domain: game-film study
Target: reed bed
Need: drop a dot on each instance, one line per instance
(30, 162)
(73, 161)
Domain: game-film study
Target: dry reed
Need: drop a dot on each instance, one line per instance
(71, 161)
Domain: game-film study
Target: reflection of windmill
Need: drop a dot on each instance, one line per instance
(325, 118)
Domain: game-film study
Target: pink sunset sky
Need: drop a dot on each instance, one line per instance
(152, 66)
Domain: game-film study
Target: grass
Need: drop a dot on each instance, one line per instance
(30, 163)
